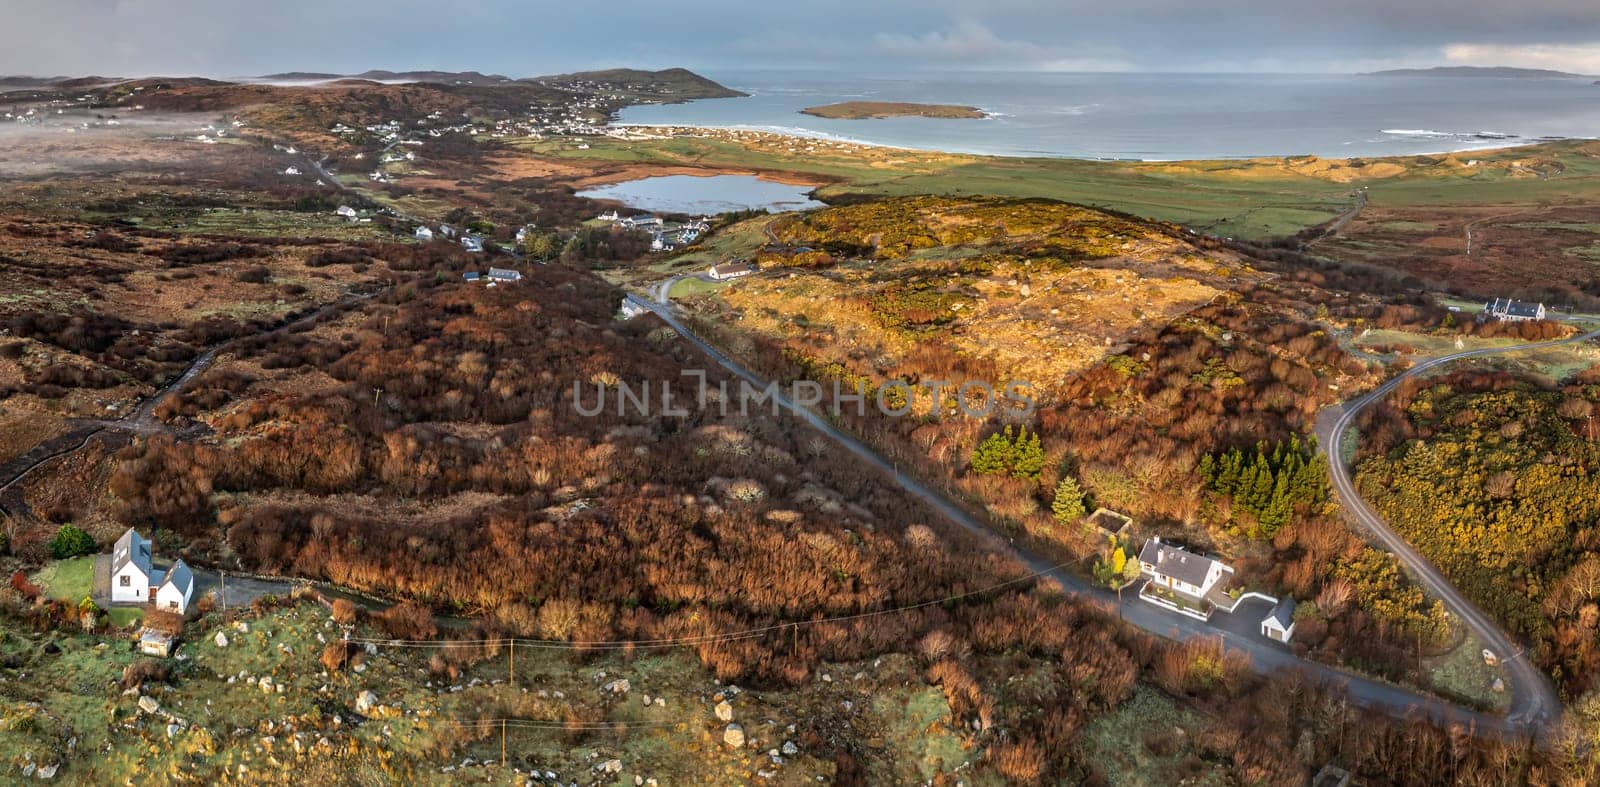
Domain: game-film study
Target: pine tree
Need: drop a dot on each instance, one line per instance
(1068, 505)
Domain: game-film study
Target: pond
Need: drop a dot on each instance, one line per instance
(705, 195)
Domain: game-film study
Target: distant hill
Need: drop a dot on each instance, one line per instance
(678, 82)
(300, 76)
(1492, 72)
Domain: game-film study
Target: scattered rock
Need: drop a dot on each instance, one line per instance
(612, 766)
(619, 686)
(149, 705)
(789, 749)
(724, 711)
(733, 735)
(366, 701)
(221, 639)
(48, 772)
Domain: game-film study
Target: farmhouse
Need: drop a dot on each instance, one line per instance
(504, 275)
(472, 243)
(424, 234)
(1176, 569)
(130, 569)
(134, 581)
(1279, 623)
(1507, 310)
(730, 270)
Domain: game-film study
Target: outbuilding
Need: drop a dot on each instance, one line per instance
(1278, 625)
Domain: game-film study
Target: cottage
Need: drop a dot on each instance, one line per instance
(504, 275)
(447, 231)
(472, 243)
(176, 589)
(470, 276)
(730, 270)
(130, 569)
(346, 211)
(1279, 623)
(424, 234)
(290, 171)
(1177, 569)
(1507, 310)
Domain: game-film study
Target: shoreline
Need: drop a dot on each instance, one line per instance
(799, 132)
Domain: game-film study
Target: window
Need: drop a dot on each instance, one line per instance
(127, 581)
(172, 605)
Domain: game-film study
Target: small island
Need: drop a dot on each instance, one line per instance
(873, 110)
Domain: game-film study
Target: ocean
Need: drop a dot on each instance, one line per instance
(1161, 117)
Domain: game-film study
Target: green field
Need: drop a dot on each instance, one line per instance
(1251, 199)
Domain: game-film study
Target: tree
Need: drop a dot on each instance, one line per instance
(1019, 454)
(1068, 505)
(541, 245)
(1131, 571)
(71, 542)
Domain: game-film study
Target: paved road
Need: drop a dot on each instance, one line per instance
(1265, 657)
(1535, 703)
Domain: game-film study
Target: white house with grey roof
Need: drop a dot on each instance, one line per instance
(1507, 310)
(130, 569)
(1173, 567)
(175, 589)
(134, 581)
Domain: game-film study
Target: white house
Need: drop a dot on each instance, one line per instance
(130, 569)
(424, 234)
(504, 274)
(730, 270)
(1507, 310)
(346, 211)
(472, 243)
(1180, 570)
(1279, 623)
(176, 589)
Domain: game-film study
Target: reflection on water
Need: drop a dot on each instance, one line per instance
(705, 195)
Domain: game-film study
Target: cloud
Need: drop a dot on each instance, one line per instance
(970, 41)
(1581, 58)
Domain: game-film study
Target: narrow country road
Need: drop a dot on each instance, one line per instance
(1534, 701)
(1264, 657)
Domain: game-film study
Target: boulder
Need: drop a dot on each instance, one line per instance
(789, 749)
(619, 686)
(149, 705)
(221, 639)
(612, 766)
(733, 736)
(366, 701)
(724, 711)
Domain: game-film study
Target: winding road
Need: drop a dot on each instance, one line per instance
(1534, 701)
(1265, 657)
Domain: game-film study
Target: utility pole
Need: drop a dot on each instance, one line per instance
(513, 670)
(502, 743)
(224, 576)
(377, 393)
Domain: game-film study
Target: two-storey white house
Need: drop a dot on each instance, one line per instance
(1179, 570)
(130, 569)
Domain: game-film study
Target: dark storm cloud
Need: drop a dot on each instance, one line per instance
(239, 37)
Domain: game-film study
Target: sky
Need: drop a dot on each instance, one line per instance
(232, 38)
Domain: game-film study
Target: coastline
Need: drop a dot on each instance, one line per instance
(800, 132)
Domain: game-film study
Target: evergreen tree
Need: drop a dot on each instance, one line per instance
(71, 542)
(1068, 505)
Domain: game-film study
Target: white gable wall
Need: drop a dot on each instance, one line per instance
(130, 585)
(171, 597)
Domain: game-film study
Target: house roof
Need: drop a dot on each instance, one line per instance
(1282, 614)
(504, 273)
(732, 267)
(131, 548)
(179, 576)
(1515, 308)
(1176, 562)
